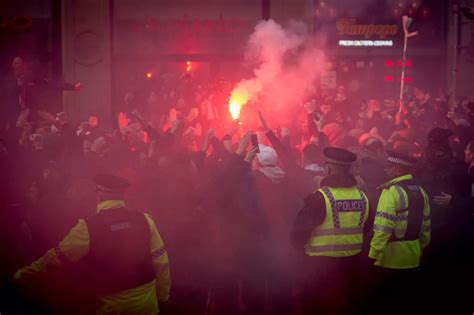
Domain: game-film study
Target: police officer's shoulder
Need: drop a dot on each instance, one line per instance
(313, 198)
(149, 219)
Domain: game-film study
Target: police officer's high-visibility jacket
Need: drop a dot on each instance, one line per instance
(141, 299)
(402, 226)
(340, 234)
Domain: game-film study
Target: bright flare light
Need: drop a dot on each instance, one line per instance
(189, 66)
(236, 102)
(234, 109)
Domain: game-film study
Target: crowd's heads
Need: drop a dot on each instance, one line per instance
(19, 66)
(372, 145)
(312, 154)
(469, 152)
(419, 94)
(374, 105)
(368, 138)
(408, 135)
(390, 104)
(356, 133)
(405, 147)
(93, 121)
(37, 141)
(470, 108)
(100, 146)
(440, 105)
(335, 133)
(62, 118)
(438, 152)
(439, 136)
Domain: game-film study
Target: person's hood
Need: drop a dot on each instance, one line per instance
(268, 159)
(316, 168)
(267, 156)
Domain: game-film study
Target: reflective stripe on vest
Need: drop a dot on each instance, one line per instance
(347, 231)
(335, 248)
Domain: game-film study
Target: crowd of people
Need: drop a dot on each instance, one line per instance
(234, 215)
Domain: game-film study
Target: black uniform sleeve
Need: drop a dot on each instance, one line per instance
(312, 215)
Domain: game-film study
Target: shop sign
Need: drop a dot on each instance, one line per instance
(349, 27)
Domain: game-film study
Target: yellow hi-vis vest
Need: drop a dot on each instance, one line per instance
(340, 235)
(388, 246)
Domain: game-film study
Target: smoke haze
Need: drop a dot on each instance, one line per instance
(285, 67)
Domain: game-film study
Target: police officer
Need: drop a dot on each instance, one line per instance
(126, 261)
(330, 230)
(402, 229)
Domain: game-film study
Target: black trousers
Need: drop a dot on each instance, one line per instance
(395, 291)
(331, 285)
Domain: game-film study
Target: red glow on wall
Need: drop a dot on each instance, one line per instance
(389, 63)
(388, 78)
(407, 63)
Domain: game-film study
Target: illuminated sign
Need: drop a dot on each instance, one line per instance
(349, 27)
(366, 43)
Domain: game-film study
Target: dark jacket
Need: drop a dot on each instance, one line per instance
(314, 210)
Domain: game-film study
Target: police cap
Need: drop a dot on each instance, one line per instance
(111, 183)
(338, 156)
(394, 157)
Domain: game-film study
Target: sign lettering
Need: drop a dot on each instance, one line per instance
(349, 27)
(350, 205)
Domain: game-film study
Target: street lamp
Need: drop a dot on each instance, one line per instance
(406, 22)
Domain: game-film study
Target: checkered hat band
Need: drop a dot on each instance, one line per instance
(332, 161)
(107, 189)
(395, 160)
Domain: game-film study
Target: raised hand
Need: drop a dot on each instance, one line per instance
(205, 145)
(263, 123)
(78, 86)
(443, 200)
(244, 142)
(310, 106)
(251, 154)
(122, 120)
(23, 118)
